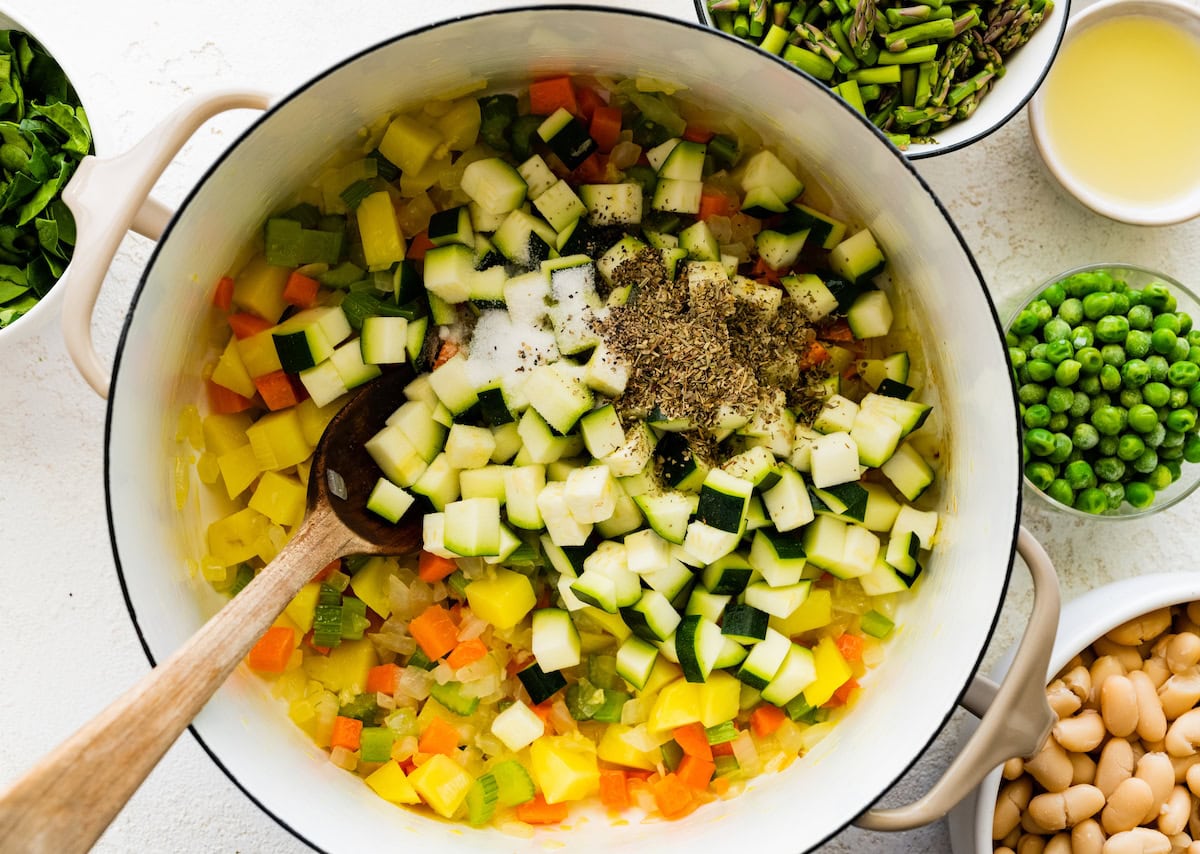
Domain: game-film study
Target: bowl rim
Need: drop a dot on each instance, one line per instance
(929, 151)
(708, 32)
(1033, 294)
(1116, 211)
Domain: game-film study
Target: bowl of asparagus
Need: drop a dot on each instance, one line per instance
(932, 76)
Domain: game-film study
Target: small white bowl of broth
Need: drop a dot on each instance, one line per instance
(1117, 120)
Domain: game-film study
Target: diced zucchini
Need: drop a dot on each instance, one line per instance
(473, 527)
(908, 471)
(765, 660)
(883, 579)
(537, 175)
(700, 243)
(857, 258)
(667, 513)
(484, 482)
(870, 316)
(834, 460)
(778, 558)
(684, 162)
(388, 500)
(555, 644)
(876, 436)
(836, 415)
(449, 271)
(612, 204)
(727, 576)
(560, 206)
(677, 196)
(698, 643)
(776, 601)
(308, 338)
(453, 385)
(709, 544)
(439, 483)
(652, 617)
(452, 225)
(825, 230)
(797, 672)
(723, 501)
(764, 169)
(558, 393)
(744, 623)
(396, 456)
(567, 138)
(811, 294)
(591, 494)
(563, 528)
(882, 509)
(635, 661)
(495, 185)
(384, 340)
(787, 502)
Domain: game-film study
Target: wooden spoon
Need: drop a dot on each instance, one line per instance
(66, 801)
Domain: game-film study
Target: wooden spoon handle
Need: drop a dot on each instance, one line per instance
(66, 801)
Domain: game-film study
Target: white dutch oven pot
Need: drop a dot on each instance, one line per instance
(930, 662)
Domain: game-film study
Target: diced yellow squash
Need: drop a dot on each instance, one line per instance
(389, 782)
(278, 440)
(238, 468)
(677, 704)
(433, 709)
(442, 783)
(346, 666)
(234, 538)
(503, 599)
(832, 672)
(207, 468)
(565, 767)
(259, 354)
(315, 715)
(663, 673)
(314, 419)
(225, 432)
(611, 623)
(290, 685)
(280, 498)
(814, 612)
(615, 747)
(258, 289)
(370, 584)
(459, 126)
(382, 242)
(719, 698)
(409, 143)
(303, 606)
(231, 373)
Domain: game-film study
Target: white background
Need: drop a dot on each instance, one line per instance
(68, 644)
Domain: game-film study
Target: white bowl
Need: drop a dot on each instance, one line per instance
(1024, 72)
(1185, 16)
(1083, 621)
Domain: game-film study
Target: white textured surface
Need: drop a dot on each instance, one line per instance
(70, 645)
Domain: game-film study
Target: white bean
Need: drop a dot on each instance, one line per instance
(1152, 723)
(1173, 818)
(1087, 837)
(1118, 705)
(1051, 767)
(1183, 736)
(1126, 806)
(1141, 629)
(1156, 770)
(1014, 798)
(1062, 699)
(1179, 693)
(1014, 768)
(1183, 651)
(1031, 844)
(1060, 810)
(1115, 766)
(1101, 669)
(1139, 840)
(1082, 733)
(1083, 768)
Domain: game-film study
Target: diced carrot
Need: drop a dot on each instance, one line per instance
(692, 738)
(589, 101)
(245, 324)
(431, 567)
(382, 679)
(330, 569)
(301, 290)
(838, 331)
(222, 401)
(347, 732)
(594, 170)
(467, 652)
(445, 354)
(762, 271)
(546, 96)
(766, 719)
(725, 748)
(638, 774)
(223, 295)
(842, 694)
(697, 133)
(613, 793)
(538, 811)
(695, 772)
(277, 390)
(308, 639)
(544, 710)
(606, 127)
(439, 737)
(816, 355)
(850, 646)
(674, 799)
(273, 650)
(715, 204)
(720, 785)
(434, 631)
(419, 245)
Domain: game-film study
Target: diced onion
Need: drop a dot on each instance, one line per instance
(343, 758)
(625, 154)
(413, 682)
(746, 753)
(336, 484)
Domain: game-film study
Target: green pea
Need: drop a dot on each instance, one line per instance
(1080, 475)
(1157, 296)
(1109, 469)
(1075, 456)
(1040, 474)
(1129, 397)
(1041, 310)
(1059, 490)
(1027, 342)
(1039, 370)
(1160, 478)
(1146, 462)
(1166, 321)
(1137, 343)
(1121, 302)
(1037, 351)
(1191, 449)
(1082, 336)
(1178, 398)
(1107, 446)
(1091, 500)
(1194, 395)
(1067, 372)
(1063, 446)
(1112, 328)
(1090, 385)
(1058, 422)
(1056, 329)
(1193, 337)
(1140, 317)
(1085, 436)
(1135, 373)
(1170, 455)
(1110, 378)
(1017, 357)
(1099, 401)
(1139, 494)
(1180, 421)
(1037, 415)
(1158, 367)
(1089, 360)
(1173, 438)
(1142, 418)
(1155, 394)
(1031, 393)
(1174, 467)
(1181, 351)
(1071, 311)
(1183, 374)
(1185, 322)
(1039, 441)
(1163, 340)
(1053, 295)
(1082, 284)
(1115, 493)
(1130, 447)
(1113, 354)
(1080, 406)
(1025, 322)
(1109, 420)
(1096, 305)
(1057, 351)
(1155, 437)
(1193, 354)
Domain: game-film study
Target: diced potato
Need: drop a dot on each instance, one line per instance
(442, 783)
(303, 606)
(391, 784)
(565, 767)
(814, 612)
(224, 433)
(258, 289)
(280, 498)
(616, 747)
(679, 703)
(383, 244)
(409, 144)
(502, 600)
(278, 440)
(231, 373)
(719, 698)
(370, 584)
(314, 419)
(239, 468)
(346, 666)
(234, 538)
(832, 672)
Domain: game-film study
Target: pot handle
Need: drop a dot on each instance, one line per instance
(1016, 716)
(109, 197)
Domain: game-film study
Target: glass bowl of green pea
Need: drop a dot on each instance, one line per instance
(1106, 363)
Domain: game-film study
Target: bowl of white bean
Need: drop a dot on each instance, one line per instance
(1120, 771)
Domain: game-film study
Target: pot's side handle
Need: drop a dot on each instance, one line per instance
(110, 196)
(1018, 718)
